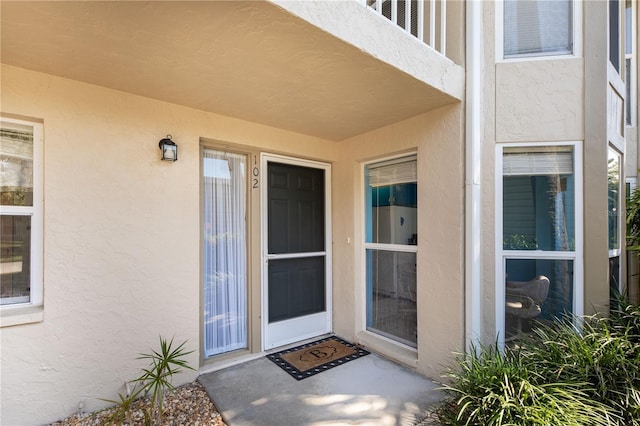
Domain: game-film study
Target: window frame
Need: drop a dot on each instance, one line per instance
(403, 248)
(632, 57)
(577, 37)
(27, 312)
(503, 255)
(614, 252)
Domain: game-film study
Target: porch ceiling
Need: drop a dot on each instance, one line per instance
(247, 59)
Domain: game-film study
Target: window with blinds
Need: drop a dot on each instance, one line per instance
(537, 27)
(541, 231)
(537, 163)
(393, 172)
(539, 198)
(391, 217)
(20, 213)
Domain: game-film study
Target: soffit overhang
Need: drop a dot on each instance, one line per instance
(252, 60)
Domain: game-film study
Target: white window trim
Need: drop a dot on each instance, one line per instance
(634, 61)
(411, 352)
(577, 36)
(24, 313)
(502, 255)
(621, 217)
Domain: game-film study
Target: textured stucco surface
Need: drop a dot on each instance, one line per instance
(438, 139)
(540, 100)
(253, 60)
(122, 235)
(121, 242)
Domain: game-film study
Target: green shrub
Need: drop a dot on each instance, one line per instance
(490, 387)
(601, 353)
(563, 375)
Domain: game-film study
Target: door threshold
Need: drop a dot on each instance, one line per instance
(244, 358)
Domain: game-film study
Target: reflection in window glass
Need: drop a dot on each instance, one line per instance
(394, 214)
(391, 193)
(16, 166)
(16, 192)
(536, 290)
(613, 181)
(15, 259)
(538, 199)
(391, 304)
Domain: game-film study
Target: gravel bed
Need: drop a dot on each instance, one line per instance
(186, 405)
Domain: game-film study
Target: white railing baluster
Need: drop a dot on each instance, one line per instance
(432, 23)
(443, 27)
(421, 20)
(394, 11)
(436, 26)
(407, 15)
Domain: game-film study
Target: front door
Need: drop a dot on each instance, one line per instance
(296, 257)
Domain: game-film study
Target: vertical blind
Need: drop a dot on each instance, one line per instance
(538, 27)
(225, 252)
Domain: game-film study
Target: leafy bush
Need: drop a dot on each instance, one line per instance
(565, 375)
(500, 388)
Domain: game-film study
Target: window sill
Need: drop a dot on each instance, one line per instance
(388, 348)
(19, 315)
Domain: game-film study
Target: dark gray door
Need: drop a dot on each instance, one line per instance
(296, 251)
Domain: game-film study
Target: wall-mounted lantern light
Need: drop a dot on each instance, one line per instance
(169, 149)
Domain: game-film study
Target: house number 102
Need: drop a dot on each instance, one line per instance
(256, 173)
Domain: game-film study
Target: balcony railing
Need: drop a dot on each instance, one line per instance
(424, 19)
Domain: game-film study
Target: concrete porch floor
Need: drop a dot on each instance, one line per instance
(367, 391)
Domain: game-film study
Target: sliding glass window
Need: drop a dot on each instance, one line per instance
(540, 216)
(391, 214)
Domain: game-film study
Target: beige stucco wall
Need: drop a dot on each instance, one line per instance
(540, 100)
(121, 241)
(437, 137)
(549, 100)
(596, 252)
(122, 236)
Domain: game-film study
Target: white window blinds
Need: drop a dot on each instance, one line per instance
(538, 27)
(537, 163)
(393, 172)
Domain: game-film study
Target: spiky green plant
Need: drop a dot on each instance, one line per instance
(576, 371)
(154, 382)
(156, 379)
(633, 220)
(124, 404)
(492, 388)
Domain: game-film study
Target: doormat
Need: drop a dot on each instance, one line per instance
(315, 357)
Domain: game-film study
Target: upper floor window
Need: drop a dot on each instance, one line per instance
(630, 62)
(538, 28)
(20, 213)
(614, 34)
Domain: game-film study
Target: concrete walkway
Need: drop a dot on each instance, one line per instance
(367, 391)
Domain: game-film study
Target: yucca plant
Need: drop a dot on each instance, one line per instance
(154, 382)
(156, 379)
